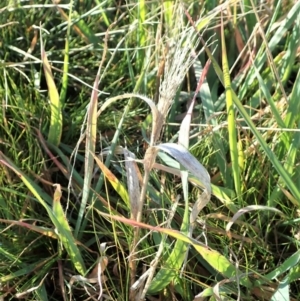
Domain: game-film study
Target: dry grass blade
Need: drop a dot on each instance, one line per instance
(189, 161)
(95, 276)
(178, 254)
(133, 184)
(246, 210)
(27, 292)
(204, 198)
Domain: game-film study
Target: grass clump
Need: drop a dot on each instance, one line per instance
(196, 198)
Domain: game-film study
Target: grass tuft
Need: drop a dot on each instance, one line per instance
(149, 150)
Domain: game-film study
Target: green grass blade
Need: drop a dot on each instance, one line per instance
(55, 129)
(261, 57)
(209, 111)
(168, 7)
(64, 86)
(288, 264)
(271, 102)
(40, 195)
(178, 255)
(292, 121)
(171, 267)
(41, 293)
(116, 184)
(29, 268)
(273, 159)
(288, 60)
(292, 116)
(232, 133)
(90, 147)
(103, 14)
(219, 262)
(65, 234)
(175, 260)
(57, 219)
(66, 167)
(142, 37)
(80, 27)
(249, 15)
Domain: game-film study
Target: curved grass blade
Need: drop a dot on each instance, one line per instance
(225, 195)
(184, 157)
(178, 255)
(114, 141)
(248, 209)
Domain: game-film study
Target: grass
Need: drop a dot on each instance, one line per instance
(149, 152)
